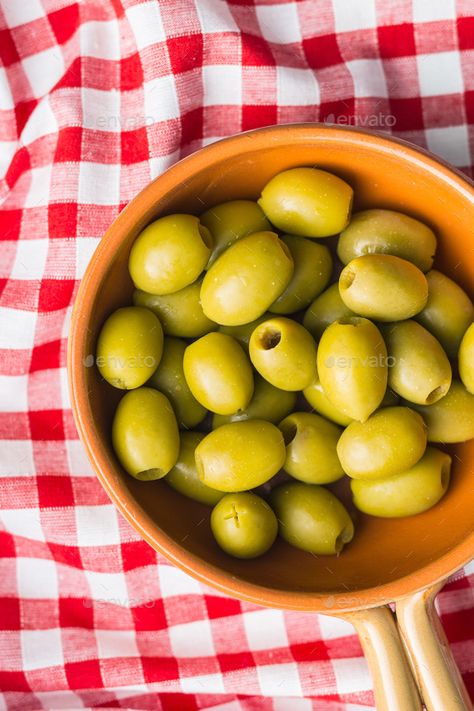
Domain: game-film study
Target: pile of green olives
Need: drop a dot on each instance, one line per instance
(280, 349)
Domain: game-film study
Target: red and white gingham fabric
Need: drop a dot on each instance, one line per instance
(96, 98)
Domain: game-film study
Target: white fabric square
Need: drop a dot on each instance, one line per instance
(30, 259)
(100, 39)
(203, 684)
(352, 675)
(13, 393)
(279, 679)
(222, 85)
(42, 122)
(334, 627)
(108, 587)
(265, 629)
(64, 387)
(215, 17)
(59, 700)
(39, 187)
(358, 15)
(22, 522)
(451, 143)
(101, 109)
(99, 184)
(174, 581)
(432, 10)
(295, 705)
(18, 328)
(192, 639)
(161, 101)
(41, 649)
(37, 578)
(279, 23)
(97, 525)
(146, 23)
(85, 248)
(297, 87)
(19, 13)
(78, 461)
(44, 69)
(116, 643)
(6, 98)
(161, 163)
(16, 458)
(439, 73)
(369, 78)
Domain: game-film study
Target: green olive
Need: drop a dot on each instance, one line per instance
(320, 402)
(466, 359)
(451, 419)
(232, 220)
(240, 455)
(145, 434)
(311, 518)
(383, 287)
(419, 369)
(284, 353)
(129, 347)
(242, 333)
(169, 379)
(184, 477)
(246, 279)
(391, 441)
(308, 202)
(313, 267)
(311, 448)
(407, 493)
(448, 312)
(268, 403)
(387, 232)
(326, 308)
(218, 373)
(169, 254)
(180, 313)
(352, 366)
(244, 525)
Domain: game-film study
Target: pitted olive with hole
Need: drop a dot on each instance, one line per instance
(169, 379)
(325, 309)
(466, 359)
(244, 525)
(242, 333)
(230, 221)
(407, 493)
(129, 347)
(268, 403)
(180, 313)
(448, 312)
(378, 231)
(451, 419)
(311, 454)
(419, 371)
(218, 373)
(383, 287)
(184, 477)
(240, 455)
(307, 202)
(145, 434)
(391, 441)
(320, 402)
(169, 254)
(284, 353)
(352, 366)
(313, 267)
(311, 518)
(246, 279)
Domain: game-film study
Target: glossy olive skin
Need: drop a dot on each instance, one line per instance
(169, 254)
(407, 493)
(268, 403)
(391, 441)
(246, 279)
(383, 287)
(352, 366)
(320, 402)
(451, 419)
(311, 454)
(169, 379)
(230, 221)
(326, 308)
(184, 477)
(240, 455)
(145, 434)
(242, 333)
(378, 231)
(244, 525)
(419, 369)
(307, 202)
(448, 312)
(284, 353)
(313, 267)
(218, 373)
(466, 359)
(180, 313)
(311, 518)
(129, 347)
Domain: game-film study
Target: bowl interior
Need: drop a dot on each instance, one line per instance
(384, 552)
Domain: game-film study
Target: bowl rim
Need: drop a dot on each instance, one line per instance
(325, 602)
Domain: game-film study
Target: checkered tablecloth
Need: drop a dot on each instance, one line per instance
(96, 98)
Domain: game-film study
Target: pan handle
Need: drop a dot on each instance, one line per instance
(433, 665)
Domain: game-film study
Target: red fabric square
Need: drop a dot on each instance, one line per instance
(149, 616)
(337, 112)
(13, 681)
(9, 613)
(54, 491)
(84, 675)
(159, 669)
(408, 114)
(257, 116)
(72, 76)
(131, 72)
(55, 294)
(465, 27)
(75, 612)
(64, 22)
(191, 125)
(7, 546)
(8, 52)
(322, 51)
(68, 147)
(62, 219)
(136, 554)
(185, 53)
(469, 102)
(46, 425)
(20, 164)
(68, 555)
(235, 661)
(396, 40)
(45, 356)
(222, 606)
(134, 146)
(255, 51)
(10, 224)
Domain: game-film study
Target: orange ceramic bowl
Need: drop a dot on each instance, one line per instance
(387, 559)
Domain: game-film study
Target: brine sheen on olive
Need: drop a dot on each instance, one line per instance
(311, 518)
(407, 493)
(244, 525)
(387, 232)
(320, 402)
(240, 455)
(129, 347)
(325, 309)
(466, 359)
(267, 403)
(145, 434)
(451, 419)
(248, 277)
(184, 477)
(307, 201)
(383, 287)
